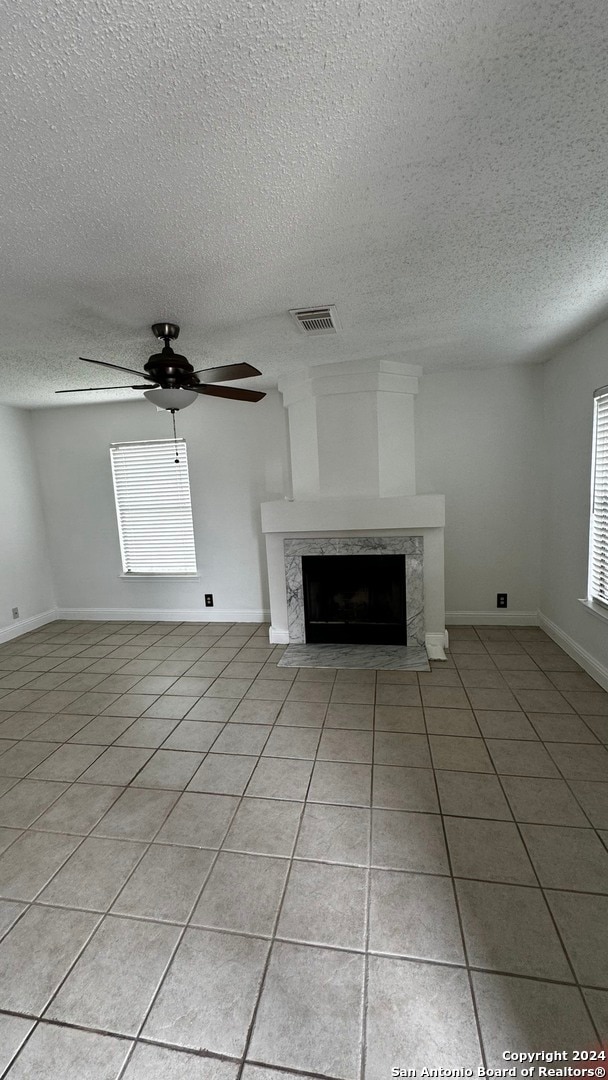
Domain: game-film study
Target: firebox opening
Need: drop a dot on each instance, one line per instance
(355, 599)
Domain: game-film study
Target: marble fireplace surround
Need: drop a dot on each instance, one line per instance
(397, 520)
(411, 547)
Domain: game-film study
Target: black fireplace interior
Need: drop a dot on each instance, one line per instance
(355, 599)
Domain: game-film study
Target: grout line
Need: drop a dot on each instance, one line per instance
(173, 952)
(455, 896)
(79, 953)
(532, 643)
(13, 1059)
(188, 924)
(548, 907)
(249, 1033)
(368, 898)
(101, 920)
(301, 859)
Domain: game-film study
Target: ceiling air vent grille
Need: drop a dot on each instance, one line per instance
(323, 320)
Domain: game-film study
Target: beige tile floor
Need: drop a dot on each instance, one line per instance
(212, 866)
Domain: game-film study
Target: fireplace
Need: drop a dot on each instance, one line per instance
(353, 492)
(355, 599)
(341, 554)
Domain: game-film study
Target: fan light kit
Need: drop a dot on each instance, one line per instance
(173, 400)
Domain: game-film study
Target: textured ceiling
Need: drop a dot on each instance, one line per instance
(437, 170)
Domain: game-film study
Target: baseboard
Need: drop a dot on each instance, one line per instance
(278, 637)
(436, 644)
(24, 626)
(593, 667)
(206, 615)
(500, 617)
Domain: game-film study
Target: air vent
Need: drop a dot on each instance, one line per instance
(323, 320)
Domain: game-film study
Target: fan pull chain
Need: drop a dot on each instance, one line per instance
(175, 437)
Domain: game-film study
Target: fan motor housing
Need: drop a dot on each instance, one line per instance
(169, 368)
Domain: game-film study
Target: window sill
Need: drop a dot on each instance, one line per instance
(155, 577)
(596, 609)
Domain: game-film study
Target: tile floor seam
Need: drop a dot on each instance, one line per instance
(68, 786)
(565, 780)
(188, 925)
(97, 926)
(395, 870)
(198, 1054)
(569, 783)
(12, 925)
(547, 906)
(291, 1070)
(552, 824)
(407, 958)
(146, 844)
(156, 697)
(38, 1016)
(368, 887)
(205, 1055)
(303, 859)
(29, 1035)
(251, 1027)
(55, 872)
(182, 931)
(180, 936)
(456, 903)
(292, 859)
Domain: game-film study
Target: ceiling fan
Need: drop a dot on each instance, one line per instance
(171, 381)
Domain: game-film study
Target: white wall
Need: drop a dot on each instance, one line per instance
(25, 576)
(478, 440)
(237, 460)
(570, 380)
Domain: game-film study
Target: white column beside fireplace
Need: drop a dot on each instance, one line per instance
(352, 444)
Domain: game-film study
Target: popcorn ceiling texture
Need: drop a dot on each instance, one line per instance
(436, 170)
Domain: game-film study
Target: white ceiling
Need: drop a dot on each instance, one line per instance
(436, 169)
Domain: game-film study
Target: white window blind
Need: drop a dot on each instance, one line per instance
(153, 507)
(598, 561)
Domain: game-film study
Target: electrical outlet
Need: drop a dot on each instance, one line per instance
(15, 613)
(208, 599)
(501, 599)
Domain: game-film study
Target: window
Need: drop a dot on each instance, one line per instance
(153, 507)
(598, 556)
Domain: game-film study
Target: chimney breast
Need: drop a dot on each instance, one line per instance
(351, 429)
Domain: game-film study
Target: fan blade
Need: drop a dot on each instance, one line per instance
(229, 392)
(89, 389)
(227, 373)
(118, 367)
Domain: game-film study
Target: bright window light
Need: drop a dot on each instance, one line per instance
(153, 507)
(598, 548)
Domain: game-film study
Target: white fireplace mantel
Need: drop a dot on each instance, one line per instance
(415, 515)
(358, 514)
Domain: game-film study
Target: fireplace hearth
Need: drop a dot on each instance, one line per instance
(355, 599)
